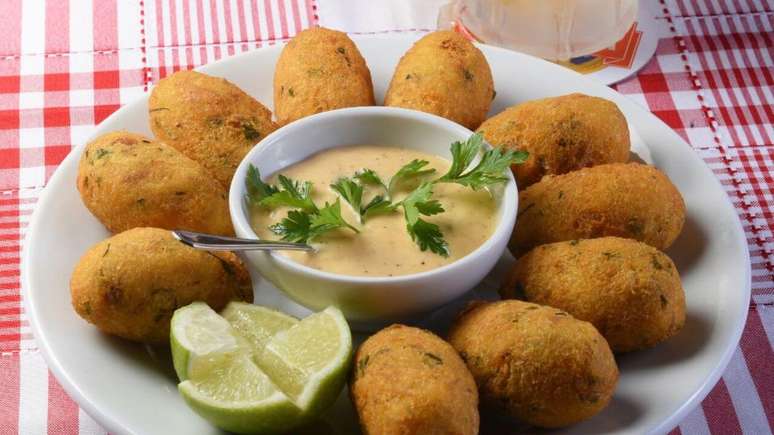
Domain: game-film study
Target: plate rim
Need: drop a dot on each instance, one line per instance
(109, 422)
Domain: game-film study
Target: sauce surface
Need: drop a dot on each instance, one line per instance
(383, 247)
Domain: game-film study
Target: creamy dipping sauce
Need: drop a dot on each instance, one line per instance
(383, 247)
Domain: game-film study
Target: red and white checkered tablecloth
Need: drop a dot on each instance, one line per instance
(67, 64)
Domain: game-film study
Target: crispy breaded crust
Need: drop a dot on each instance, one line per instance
(561, 134)
(444, 74)
(127, 180)
(409, 381)
(130, 284)
(630, 291)
(319, 70)
(208, 119)
(627, 200)
(537, 363)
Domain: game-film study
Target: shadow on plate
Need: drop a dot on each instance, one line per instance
(689, 341)
(635, 158)
(339, 419)
(155, 358)
(619, 414)
(689, 246)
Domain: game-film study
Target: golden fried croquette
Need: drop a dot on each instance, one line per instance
(561, 134)
(130, 284)
(631, 200)
(320, 70)
(127, 180)
(408, 381)
(537, 363)
(444, 74)
(209, 120)
(628, 290)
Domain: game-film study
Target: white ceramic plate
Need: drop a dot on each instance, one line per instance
(131, 389)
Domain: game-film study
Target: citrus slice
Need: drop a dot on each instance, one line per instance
(238, 397)
(256, 370)
(256, 323)
(220, 380)
(197, 333)
(310, 360)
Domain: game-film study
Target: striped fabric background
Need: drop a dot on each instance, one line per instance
(66, 65)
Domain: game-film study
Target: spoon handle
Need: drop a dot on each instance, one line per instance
(210, 242)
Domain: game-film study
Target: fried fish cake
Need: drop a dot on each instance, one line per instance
(444, 74)
(130, 284)
(408, 381)
(630, 291)
(127, 180)
(537, 363)
(320, 70)
(627, 200)
(209, 120)
(561, 134)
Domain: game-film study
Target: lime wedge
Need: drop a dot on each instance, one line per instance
(197, 331)
(257, 324)
(256, 370)
(309, 361)
(220, 380)
(238, 397)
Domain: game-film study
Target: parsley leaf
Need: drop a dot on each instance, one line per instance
(409, 170)
(329, 219)
(418, 202)
(463, 154)
(368, 176)
(378, 205)
(489, 169)
(296, 227)
(301, 227)
(430, 207)
(257, 189)
(294, 194)
(351, 191)
(428, 236)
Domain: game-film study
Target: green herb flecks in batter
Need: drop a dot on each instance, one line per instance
(250, 132)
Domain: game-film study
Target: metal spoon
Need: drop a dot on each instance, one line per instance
(210, 242)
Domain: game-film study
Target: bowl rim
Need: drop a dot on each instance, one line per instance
(240, 220)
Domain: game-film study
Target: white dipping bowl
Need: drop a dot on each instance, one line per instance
(362, 298)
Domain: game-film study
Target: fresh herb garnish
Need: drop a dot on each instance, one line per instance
(329, 219)
(295, 227)
(307, 221)
(418, 202)
(368, 176)
(256, 188)
(427, 235)
(351, 191)
(409, 171)
(377, 205)
(489, 169)
(293, 194)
